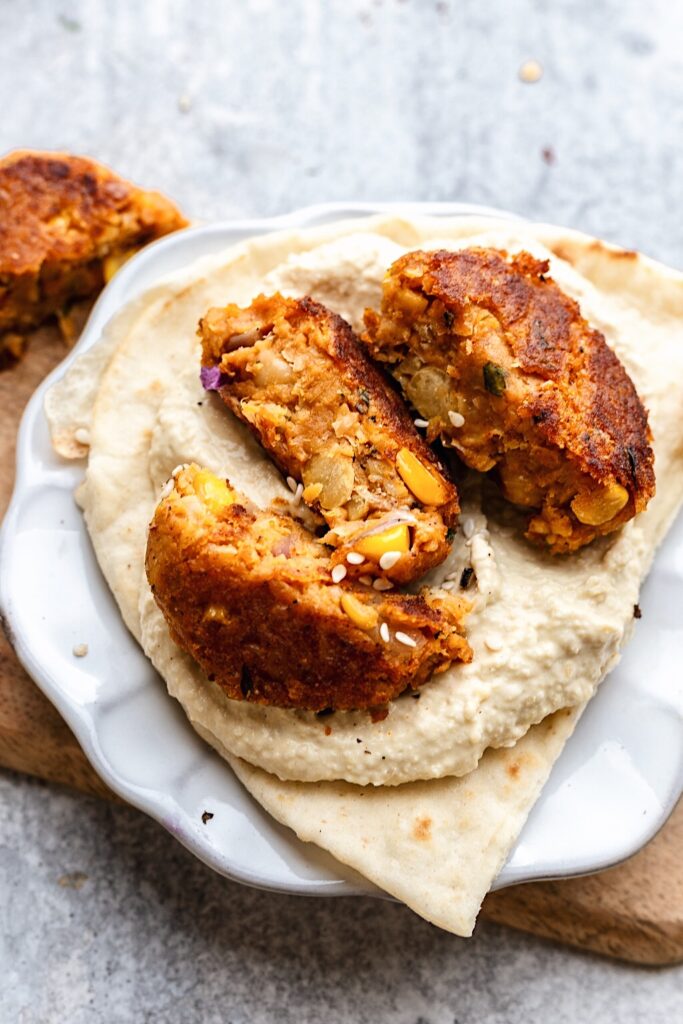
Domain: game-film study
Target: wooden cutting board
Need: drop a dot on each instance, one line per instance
(634, 911)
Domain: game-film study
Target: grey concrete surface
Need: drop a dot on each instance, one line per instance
(105, 918)
(253, 108)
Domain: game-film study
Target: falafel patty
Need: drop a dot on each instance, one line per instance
(501, 363)
(297, 375)
(251, 596)
(66, 224)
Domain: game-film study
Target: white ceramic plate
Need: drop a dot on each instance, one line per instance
(611, 790)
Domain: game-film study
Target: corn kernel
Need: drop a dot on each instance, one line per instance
(213, 491)
(411, 301)
(113, 263)
(597, 507)
(312, 492)
(395, 538)
(362, 615)
(424, 484)
(216, 613)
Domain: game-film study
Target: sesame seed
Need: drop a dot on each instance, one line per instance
(448, 585)
(422, 424)
(80, 650)
(468, 527)
(355, 558)
(403, 638)
(291, 483)
(384, 633)
(180, 468)
(166, 490)
(365, 580)
(494, 642)
(382, 585)
(338, 573)
(82, 435)
(531, 71)
(298, 491)
(389, 559)
(456, 418)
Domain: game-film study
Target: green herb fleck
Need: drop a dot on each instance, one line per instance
(363, 403)
(70, 24)
(494, 379)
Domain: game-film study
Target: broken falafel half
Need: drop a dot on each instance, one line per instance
(297, 375)
(66, 224)
(500, 361)
(251, 595)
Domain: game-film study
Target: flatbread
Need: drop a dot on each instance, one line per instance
(559, 623)
(435, 844)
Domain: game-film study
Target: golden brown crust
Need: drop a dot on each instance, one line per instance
(543, 397)
(296, 373)
(60, 217)
(249, 595)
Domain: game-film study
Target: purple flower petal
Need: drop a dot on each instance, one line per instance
(211, 377)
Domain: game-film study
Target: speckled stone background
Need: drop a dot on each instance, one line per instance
(254, 108)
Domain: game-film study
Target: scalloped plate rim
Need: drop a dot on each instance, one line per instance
(160, 805)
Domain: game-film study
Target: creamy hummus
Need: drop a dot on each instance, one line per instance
(544, 629)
